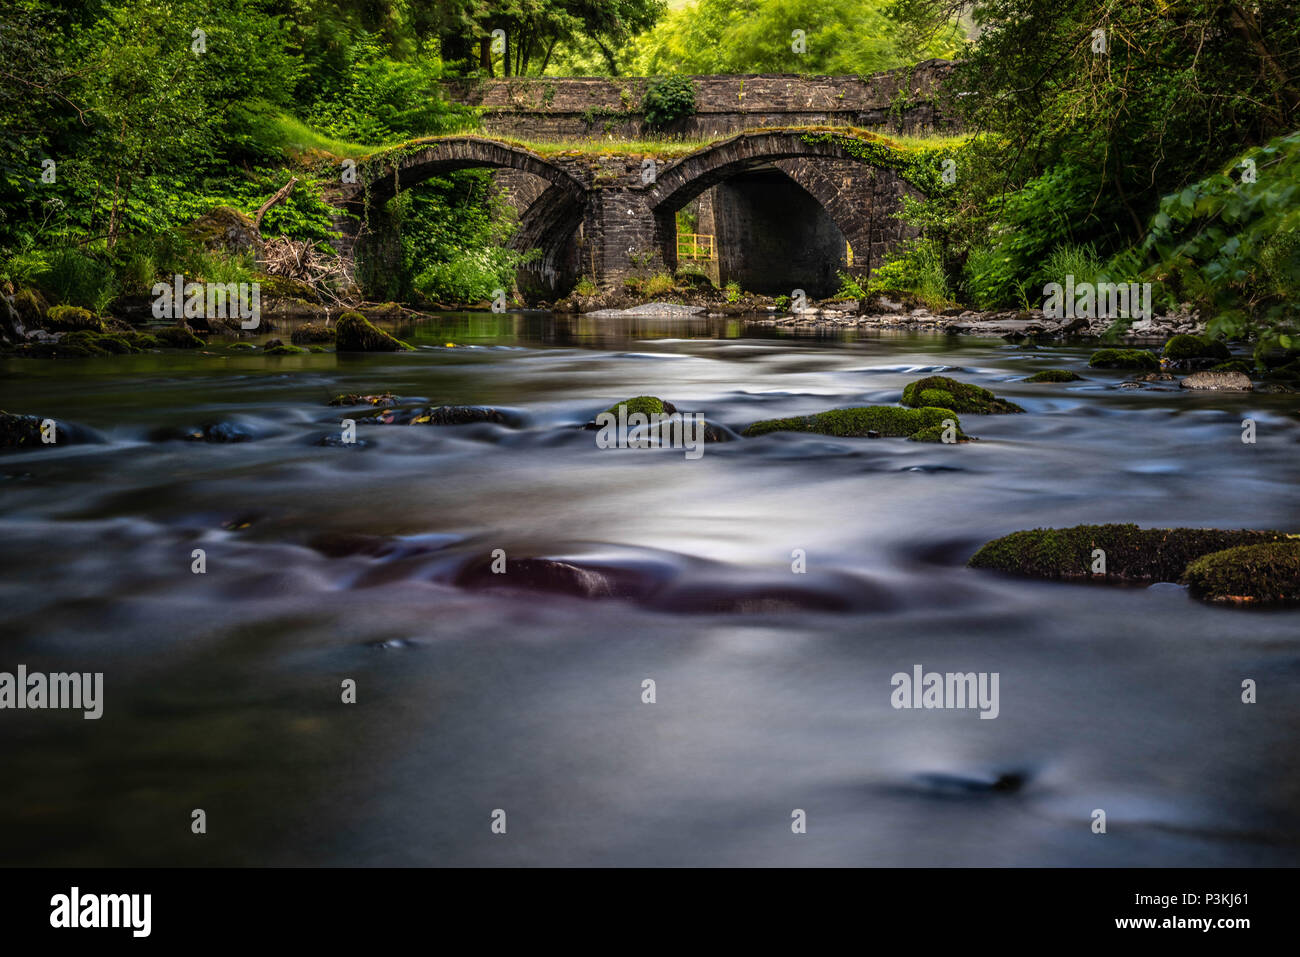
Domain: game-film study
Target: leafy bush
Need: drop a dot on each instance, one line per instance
(1233, 247)
(669, 100)
(916, 268)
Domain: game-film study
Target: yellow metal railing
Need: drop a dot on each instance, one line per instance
(696, 246)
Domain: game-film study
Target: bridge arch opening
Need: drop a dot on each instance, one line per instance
(762, 230)
(791, 210)
(547, 202)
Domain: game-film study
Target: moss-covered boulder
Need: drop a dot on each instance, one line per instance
(226, 228)
(31, 307)
(278, 348)
(311, 332)
(1054, 375)
(941, 392)
(179, 337)
(1265, 574)
(355, 333)
(142, 341)
(645, 404)
(868, 421)
(72, 319)
(1184, 348)
(1131, 554)
(1138, 359)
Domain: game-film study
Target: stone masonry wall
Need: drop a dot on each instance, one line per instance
(572, 107)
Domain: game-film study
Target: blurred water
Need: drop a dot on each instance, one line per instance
(223, 690)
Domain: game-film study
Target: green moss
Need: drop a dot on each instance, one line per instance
(117, 345)
(1124, 359)
(320, 349)
(887, 421)
(355, 333)
(243, 347)
(938, 398)
(282, 287)
(141, 340)
(935, 433)
(1183, 347)
(1236, 365)
(284, 350)
(179, 337)
(1054, 375)
(1132, 554)
(30, 306)
(71, 318)
(645, 404)
(1266, 573)
(948, 393)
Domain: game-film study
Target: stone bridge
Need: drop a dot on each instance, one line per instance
(788, 207)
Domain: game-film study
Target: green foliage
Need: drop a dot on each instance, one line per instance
(1077, 148)
(455, 233)
(1233, 247)
(754, 36)
(733, 291)
(378, 99)
(916, 268)
(668, 100)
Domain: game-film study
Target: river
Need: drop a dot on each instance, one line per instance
(222, 690)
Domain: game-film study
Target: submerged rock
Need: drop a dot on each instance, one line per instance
(311, 332)
(217, 432)
(1265, 574)
(436, 415)
(1054, 375)
(384, 400)
(869, 421)
(1218, 382)
(355, 333)
(19, 431)
(1124, 359)
(179, 337)
(276, 347)
(941, 392)
(1128, 553)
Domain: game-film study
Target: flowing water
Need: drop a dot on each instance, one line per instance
(222, 691)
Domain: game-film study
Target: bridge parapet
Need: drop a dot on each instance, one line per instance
(542, 108)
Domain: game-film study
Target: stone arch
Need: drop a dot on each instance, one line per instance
(452, 153)
(546, 223)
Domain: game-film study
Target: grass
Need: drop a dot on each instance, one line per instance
(298, 140)
(669, 147)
